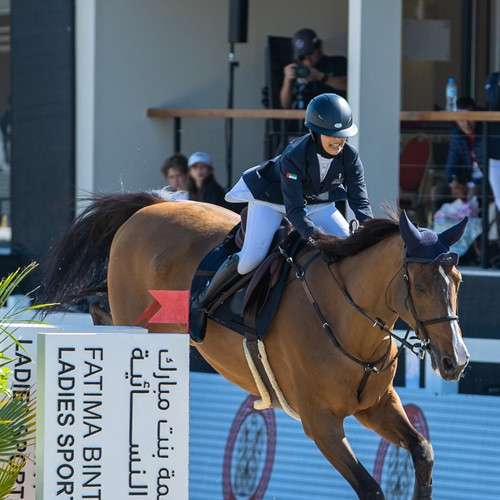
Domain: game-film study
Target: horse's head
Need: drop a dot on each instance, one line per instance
(432, 291)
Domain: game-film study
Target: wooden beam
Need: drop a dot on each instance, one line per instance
(292, 114)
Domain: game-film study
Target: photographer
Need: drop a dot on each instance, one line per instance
(312, 73)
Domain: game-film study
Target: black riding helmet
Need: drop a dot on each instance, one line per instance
(330, 114)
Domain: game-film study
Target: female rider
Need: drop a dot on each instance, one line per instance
(302, 183)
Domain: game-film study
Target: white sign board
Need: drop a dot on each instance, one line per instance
(112, 416)
(23, 380)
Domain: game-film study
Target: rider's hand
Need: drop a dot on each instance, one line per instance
(316, 235)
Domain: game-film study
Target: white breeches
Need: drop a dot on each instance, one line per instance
(495, 180)
(264, 218)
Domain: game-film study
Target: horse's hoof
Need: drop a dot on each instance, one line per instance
(424, 492)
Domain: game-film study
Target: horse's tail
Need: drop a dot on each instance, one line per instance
(76, 266)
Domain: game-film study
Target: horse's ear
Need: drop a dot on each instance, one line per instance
(410, 234)
(454, 233)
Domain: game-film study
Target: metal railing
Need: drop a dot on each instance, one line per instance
(425, 121)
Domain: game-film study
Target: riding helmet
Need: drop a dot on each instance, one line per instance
(330, 114)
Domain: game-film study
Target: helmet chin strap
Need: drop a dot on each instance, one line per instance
(319, 146)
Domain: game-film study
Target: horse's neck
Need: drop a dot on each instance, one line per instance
(369, 276)
(372, 270)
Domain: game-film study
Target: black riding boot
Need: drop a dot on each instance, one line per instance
(226, 275)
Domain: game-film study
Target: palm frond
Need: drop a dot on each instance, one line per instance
(17, 429)
(17, 412)
(8, 475)
(17, 313)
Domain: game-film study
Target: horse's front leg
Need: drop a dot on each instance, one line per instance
(327, 431)
(389, 420)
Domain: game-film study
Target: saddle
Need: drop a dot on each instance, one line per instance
(248, 306)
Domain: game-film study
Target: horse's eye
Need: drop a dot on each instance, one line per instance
(419, 288)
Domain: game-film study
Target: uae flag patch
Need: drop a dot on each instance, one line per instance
(289, 175)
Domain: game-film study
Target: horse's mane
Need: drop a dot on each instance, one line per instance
(371, 232)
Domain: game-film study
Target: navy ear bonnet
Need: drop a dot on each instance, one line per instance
(430, 247)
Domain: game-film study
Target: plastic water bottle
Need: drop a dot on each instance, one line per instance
(451, 95)
(477, 174)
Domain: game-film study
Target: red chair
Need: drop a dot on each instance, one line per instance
(414, 177)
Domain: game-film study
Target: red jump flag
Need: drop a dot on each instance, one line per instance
(174, 307)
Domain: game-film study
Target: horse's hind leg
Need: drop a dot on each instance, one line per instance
(327, 431)
(389, 420)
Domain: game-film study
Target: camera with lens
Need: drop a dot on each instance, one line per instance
(302, 71)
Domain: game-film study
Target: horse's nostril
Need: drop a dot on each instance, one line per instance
(448, 364)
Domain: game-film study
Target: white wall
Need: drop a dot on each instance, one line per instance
(494, 61)
(175, 53)
(85, 96)
(374, 94)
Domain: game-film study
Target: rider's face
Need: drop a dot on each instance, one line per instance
(333, 145)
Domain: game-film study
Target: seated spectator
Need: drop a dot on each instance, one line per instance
(311, 73)
(175, 170)
(449, 213)
(202, 185)
(464, 159)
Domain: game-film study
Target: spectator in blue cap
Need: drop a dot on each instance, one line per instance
(202, 185)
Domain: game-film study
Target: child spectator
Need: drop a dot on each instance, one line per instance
(175, 170)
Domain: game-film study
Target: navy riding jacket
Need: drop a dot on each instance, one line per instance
(293, 180)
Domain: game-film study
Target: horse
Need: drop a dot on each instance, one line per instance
(330, 344)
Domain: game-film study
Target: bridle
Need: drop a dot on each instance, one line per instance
(419, 348)
(420, 324)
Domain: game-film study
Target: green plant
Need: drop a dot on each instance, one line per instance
(17, 428)
(17, 411)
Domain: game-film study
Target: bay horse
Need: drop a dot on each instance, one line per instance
(330, 343)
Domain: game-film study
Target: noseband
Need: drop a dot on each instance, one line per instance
(418, 348)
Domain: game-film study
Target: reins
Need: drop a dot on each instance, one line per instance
(368, 367)
(419, 348)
